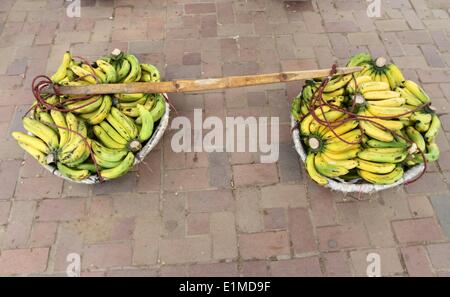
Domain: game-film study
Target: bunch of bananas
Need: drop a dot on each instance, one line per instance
(109, 129)
(376, 125)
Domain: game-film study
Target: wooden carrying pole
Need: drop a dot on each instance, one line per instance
(182, 86)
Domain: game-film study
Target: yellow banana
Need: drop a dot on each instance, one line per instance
(75, 174)
(348, 164)
(119, 170)
(393, 112)
(355, 86)
(35, 153)
(92, 104)
(100, 114)
(125, 122)
(381, 95)
(107, 141)
(42, 131)
(346, 155)
(327, 169)
(393, 102)
(31, 141)
(60, 120)
(382, 179)
(311, 169)
(434, 128)
(61, 72)
(342, 129)
(374, 167)
(337, 83)
(416, 137)
(373, 86)
(383, 155)
(83, 74)
(417, 91)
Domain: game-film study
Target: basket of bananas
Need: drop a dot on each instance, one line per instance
(94, 138)
(367, 131)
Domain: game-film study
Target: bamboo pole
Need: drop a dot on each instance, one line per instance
(199, 85)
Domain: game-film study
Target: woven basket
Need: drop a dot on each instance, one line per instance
(356, 186)
(147, 148)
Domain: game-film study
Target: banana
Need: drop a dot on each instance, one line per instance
(131, 112)
(135, 71)
(311, 169)
(393, 83)
(304, 125)
(125, 122)
(392, 112)
(393, 102)
(83, 74)
(396, 74)
(118, 127)
(383, 78)
(86, 106)
(327, 169)
(78, 156)
(433, 152)
(108, 154)
(110, 71)
(346, 155)
(155, 76)
(359, 59)
(341, 129)
(355, 84)
(100, 114)
(147, 124)
(339, 147)
(88, 166)
(42, 131)
(35, 153)
(123, 70)
(383, 155)
(75, 151)
(351, 136)
(129, 97)
(112, 133)
(434, 128)
(380, 95)
(75, 174)
(119, 170)
(380, 168)
(31, 141)
(132, 104)
(409, 97)
(374, 86)
(382, 179)
(46, 119)
(417, 91)
(331, 95)
(160, 108)
(376, 132)
(416, 137)
(100, 75)
(60, 120)
(337, 83)
(383, 144)
(390, 124)
(348, 164)
(107, 140)
(105, 164)
(61, 72)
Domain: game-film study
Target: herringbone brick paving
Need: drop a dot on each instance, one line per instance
(218, 214)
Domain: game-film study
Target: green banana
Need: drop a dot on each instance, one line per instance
(110, 71)
(113, 133)
(383, 155)
(147, 124)
(75, 174)
(155, 76)
(103, 136)
(124, 166)
(416, 137)
(434, 128)
(123, 70)
(100, 114)
(135, 71)
(125, 122)
(108, 154)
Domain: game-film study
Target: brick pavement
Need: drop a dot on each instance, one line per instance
(220, 214)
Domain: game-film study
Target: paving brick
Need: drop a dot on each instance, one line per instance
(132, 273)
(254, 269)
(341, 237)
(213, 270)
(264, 245)
(177, 251)
(20, 224)
(61, 209)
(186, 179)
(439, 255)
(248, 217)
(69, 241)
(283, 196)
(389, 260)
(23, 261)
(420, 206)
(336, 264)
(223, 234)
(173, 213)
(417, 230)
(432, 56)
(429, 183)
(43, 234)
(198, 8)
(107, 255)
(134, 204)
(210, 201)
(38, 188)
(120, 185)
(322, 205)
(301, 231)
(410, 62)
(341, 26)
(296, 267)
(253, 174)
(365, 38)
(146, 240)
(9, 171)
(274, 218)
(414, 37)
(197, 223)
(441, 205)
(5, 207)
(413, 20)
(219, 170)
(416, 261)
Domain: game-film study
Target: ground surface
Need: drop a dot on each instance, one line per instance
(220, 213)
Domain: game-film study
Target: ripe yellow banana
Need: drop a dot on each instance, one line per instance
(311, 169)
(60, 121)
(61, 72)
(35, 153)
(83, 74)
(106, 139)
(383, 155)
(348, 164)
(100, 114)
(327, 169)
(392, 112)
(409, 97)
(381, 95)
(374, 167)
(355, 86)
(92, 105)
(108, 69)
(382, 179)
(42, 131)
(75, 174)
(373, 86)
(417, 91)
(346, 155)
(125, 122)
(31, 141)
(393, 102)
(337, 83)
